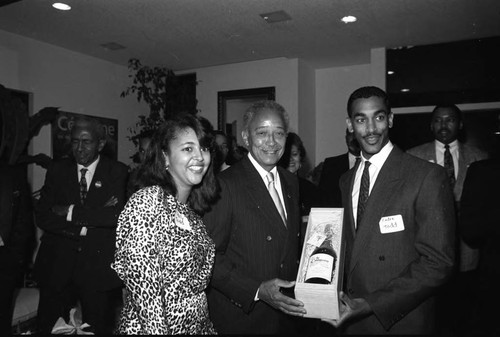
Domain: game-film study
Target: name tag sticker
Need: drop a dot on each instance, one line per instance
(391, 224)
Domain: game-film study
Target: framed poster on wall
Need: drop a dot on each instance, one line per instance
(61, 135)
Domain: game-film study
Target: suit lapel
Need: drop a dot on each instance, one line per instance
(73, 183)
(463, 161)
(287, 198)
(386, 186)
(347, 183)
(432, 152)
(97, 182)
(260, 195)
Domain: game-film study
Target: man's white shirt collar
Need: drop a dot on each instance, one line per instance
(379, 158)
(263, 173)
(440, 146)
(91, 169)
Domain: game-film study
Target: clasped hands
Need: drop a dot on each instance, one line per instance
(269, 292)
(62, 210)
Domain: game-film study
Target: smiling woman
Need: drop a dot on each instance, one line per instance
(163, 252)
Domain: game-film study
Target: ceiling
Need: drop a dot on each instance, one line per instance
(187, 34)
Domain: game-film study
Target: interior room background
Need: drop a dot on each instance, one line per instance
(315, 98)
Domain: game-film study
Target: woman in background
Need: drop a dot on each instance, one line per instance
(163, 253)
(292, 159)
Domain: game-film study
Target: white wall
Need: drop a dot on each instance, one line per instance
(281, 73)
(71, 81)
(307, 113)
(333, 87)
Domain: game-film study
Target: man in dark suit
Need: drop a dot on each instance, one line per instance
(333, 168)
(17, 234)
(255, 227)
(399, 228)
(479, 228)
(446, 123)
(78, 211)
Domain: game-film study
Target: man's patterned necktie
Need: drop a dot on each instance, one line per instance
(275, 196)
(83, 185)
(364, 190)
(449, 166)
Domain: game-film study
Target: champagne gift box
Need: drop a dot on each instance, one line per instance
(319, 278)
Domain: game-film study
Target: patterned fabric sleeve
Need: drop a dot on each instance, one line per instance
(136, 259)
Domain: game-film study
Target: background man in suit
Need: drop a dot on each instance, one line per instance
(446, 124)
(334, 167)
(78, 211)
(399, 227)
(256, 237)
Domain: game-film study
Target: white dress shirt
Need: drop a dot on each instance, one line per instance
(454, 154)
(263, 174)
(89, 175)
(377, 161)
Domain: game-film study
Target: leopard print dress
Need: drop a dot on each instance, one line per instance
(164, 257)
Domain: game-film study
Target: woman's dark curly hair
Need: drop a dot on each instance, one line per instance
(292, 139)
(153, 170)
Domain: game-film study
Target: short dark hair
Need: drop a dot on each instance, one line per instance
(153, 169)
(367, 92)
(452, 107)
(292, 139)
(263, 105)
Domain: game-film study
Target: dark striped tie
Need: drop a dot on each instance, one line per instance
(83, 185)
(449, 166)
(364, 190)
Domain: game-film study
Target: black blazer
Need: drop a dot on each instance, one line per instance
(399, 272)
(252, 245)
(479, 214)
(333, 168)
(62, 248)
(16, 219)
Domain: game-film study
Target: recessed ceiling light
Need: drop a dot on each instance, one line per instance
(390, 72)
(348, 19)
(61, 6)
(405, 90)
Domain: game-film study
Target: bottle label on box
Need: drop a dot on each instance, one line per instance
(321, 266)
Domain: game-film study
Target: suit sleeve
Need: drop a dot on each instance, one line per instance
(434, 222)
(137, 262)
(240, 289)
(22, 234)
(100, 216)
(478, 219)
(47, 220)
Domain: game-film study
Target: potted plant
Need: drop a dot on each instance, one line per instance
(163, 91)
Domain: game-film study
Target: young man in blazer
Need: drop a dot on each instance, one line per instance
(78, 211)
(399, 246)
(256, 237)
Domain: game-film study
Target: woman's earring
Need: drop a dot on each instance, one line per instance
(167, 168)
